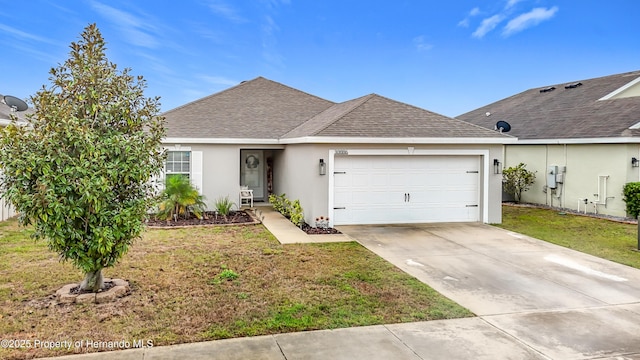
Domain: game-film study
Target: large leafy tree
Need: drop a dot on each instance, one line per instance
(80, 172)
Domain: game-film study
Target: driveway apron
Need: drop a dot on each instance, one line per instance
(556, 302)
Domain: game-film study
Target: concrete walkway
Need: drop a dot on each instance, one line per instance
(565, 306)
(287, 233)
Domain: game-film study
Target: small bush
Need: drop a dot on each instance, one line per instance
(180, 199)
(224, 206)
(296, 213)
(517, 180)
(279, 203)
(631, 192)
(289, 209)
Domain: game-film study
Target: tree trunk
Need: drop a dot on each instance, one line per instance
(93, 281)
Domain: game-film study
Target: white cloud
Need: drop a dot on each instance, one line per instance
(23, 35)
(421, 44)
(511, 3)
(487, 25)
(527, 20)
(135, 29)
(465, 22)
(270, 41)
(226, 10)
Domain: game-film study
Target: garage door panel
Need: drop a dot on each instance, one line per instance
(400, 189)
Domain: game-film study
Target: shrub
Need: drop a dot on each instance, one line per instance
(517, 180)
(289, 209)
(279, 203)
(180, 198)
(296, 214)
(224, 205)
(631, 192)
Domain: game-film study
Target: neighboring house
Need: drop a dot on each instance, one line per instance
(582, 138)
(365, 161)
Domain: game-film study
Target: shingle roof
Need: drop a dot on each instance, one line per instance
(256, 109)
(564, 113)
(376, 116)
(264, 109)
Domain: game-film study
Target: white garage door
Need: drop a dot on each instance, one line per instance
(406, 189)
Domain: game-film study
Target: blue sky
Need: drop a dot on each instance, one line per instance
(445, 56)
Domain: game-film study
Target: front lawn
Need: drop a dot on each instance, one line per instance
(603, 238)
(202, 284)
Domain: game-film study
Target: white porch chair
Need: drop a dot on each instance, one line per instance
(246, 194)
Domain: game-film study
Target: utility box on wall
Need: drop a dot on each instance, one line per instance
(552, 173)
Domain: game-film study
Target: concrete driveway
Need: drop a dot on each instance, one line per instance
(554, 302)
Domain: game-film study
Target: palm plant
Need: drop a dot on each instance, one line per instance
(179, 199)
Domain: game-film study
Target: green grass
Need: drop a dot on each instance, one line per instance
(599, 237)
(202, 284)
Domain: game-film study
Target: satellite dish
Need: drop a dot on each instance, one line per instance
(15, 103)
(503, 126)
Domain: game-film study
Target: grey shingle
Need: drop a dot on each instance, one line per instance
(565, 112)
(376, 116)
(256, 109)
(264, 109)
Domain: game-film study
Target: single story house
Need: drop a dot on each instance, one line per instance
(369, 160)
(582, 138)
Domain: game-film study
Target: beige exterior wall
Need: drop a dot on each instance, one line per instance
(589, 168)
(296, 172)
(221, 168)
(298, 175)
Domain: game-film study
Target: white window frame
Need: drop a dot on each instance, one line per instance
(181, 162)
(195, 166)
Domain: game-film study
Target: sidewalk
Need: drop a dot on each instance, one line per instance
(470, 338)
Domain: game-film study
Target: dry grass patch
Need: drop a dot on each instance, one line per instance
(208, 283)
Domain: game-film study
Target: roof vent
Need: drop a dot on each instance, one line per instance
(550, 88)
(573, 86)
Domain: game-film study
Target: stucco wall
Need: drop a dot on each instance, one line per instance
(220, 171)
(298, 175)
(586, 165)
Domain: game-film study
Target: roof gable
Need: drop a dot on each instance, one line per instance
(258, 109)
(375, 116)
(563, 111)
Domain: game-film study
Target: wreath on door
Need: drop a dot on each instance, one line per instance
(252, 162)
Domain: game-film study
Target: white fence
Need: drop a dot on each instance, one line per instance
(6, 210)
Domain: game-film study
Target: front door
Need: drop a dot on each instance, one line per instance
(252, 171)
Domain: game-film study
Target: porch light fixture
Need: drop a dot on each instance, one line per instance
(496, 166)
(635, 162)
(323, 167)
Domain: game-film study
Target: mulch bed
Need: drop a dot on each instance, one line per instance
(235, 217)
(318, 231)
